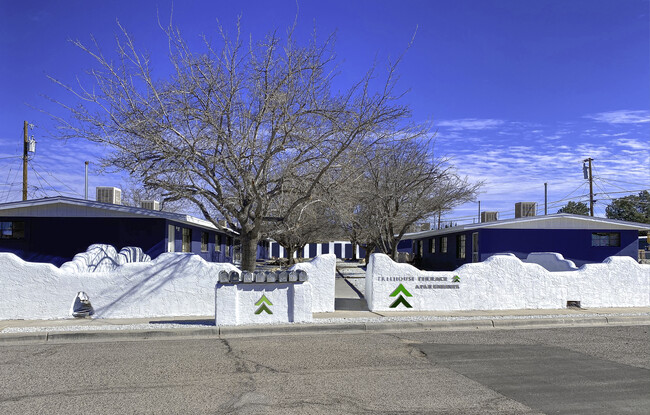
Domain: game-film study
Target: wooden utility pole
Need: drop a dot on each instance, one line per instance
(25, 152)
(545, 198)
(591, 188)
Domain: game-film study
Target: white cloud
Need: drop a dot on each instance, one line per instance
(622, 117)
(471, 124)
(631, 143)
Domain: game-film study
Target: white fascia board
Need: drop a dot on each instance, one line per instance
(556, 221)
(127, 211)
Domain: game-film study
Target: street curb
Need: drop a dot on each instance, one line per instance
(225, 332)
(429, 325)
(559, 321)
(23, 338)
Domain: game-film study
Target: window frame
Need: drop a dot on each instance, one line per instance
(605, 239)
(12, 229)
(186, 240)
(205, 241)
(461, 248)
(217, 242)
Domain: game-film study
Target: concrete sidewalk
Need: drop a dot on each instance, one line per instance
(352, 321)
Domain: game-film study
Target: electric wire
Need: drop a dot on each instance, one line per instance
(72, 191)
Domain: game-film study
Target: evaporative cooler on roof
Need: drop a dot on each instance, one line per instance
(109, 195)
(524, 209)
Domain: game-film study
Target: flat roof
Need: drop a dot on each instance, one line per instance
(20, 208)
(554, 221)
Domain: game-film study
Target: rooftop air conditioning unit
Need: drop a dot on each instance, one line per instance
(109, 195)
(489, 216)
(525, 209)
(150, 204)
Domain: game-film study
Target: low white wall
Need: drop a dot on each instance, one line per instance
(504, 282)
(251, 303)
(174, 284)
(322, 275)
(103, 258)
(551, 261)
(170, 285)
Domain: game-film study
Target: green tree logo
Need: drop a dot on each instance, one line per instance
(401, 300)
(262, 303)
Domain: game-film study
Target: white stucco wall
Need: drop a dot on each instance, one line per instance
(171, 285)
(174, 284)
(551, 261)
(322, 275)
(504, 282)
(236, 304)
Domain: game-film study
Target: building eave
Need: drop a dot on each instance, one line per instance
(529, 222)
(126, 210)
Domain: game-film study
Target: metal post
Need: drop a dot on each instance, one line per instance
(591, 189)
(479, 211)
(25, 152)
(545, 198)
(86, 183)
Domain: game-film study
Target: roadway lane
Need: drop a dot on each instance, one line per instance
(410, 373)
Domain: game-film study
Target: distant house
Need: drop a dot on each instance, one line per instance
(341, 249)
(581, 239)
(54, 229)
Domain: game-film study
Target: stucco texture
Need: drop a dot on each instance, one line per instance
(504, 282)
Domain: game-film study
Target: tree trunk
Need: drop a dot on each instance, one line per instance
(290, 251)
(354, 250)
(369, 249)
(248, 251)
(394, 252)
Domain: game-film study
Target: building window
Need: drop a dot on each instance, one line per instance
(187, 240)
(417, 248)
(217, 243)
(12, 230)
(443, 244)
(460, 246)
(204, 241)
(171, 238)
(606, 239)
(432, 245)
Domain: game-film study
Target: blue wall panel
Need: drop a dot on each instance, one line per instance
(56, 240)
(573, 244)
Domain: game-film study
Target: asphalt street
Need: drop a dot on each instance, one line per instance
(595, 370)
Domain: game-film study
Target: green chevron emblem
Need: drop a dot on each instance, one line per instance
(400, 289)
(262, 302)
(401, 300)
(455, 279)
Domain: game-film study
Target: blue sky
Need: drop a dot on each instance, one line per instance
(519, 92)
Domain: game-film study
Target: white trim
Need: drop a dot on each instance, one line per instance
(556, 221)
(35, 207)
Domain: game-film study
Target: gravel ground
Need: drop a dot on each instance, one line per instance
(167, 326)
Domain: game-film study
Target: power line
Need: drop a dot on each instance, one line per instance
(57, 179)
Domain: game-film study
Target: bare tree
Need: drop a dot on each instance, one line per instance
(401, 185)
(234, 124)
(134, 193)
(309, 224)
